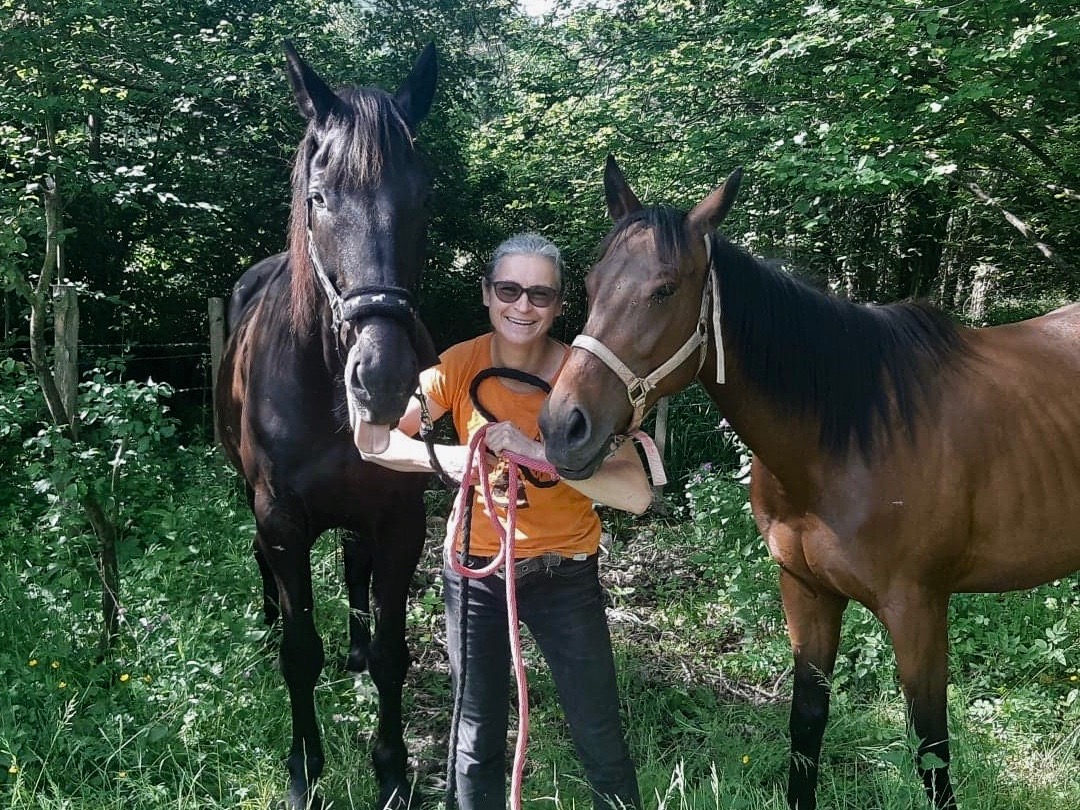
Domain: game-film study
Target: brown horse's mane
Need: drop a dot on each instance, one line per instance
(364, 138)
(851, 367)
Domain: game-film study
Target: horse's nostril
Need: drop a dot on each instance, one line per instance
(577, 428)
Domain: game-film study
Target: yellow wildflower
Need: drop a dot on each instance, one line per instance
(62, 685)
(746, 759)
(55, 665)
(33, 662)
(13, 768)
(125, 678)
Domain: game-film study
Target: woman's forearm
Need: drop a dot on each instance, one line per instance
(406, 454)
(620, 482)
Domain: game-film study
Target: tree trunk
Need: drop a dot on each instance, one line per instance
(108, 571)
(63, 413)
(216, 314)
(66, 347)
(983, 276)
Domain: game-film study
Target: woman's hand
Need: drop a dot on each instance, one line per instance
(503, 437)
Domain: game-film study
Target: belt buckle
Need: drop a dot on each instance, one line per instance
(530, 565)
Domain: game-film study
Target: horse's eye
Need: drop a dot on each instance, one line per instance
(664, 292)
(317, 199)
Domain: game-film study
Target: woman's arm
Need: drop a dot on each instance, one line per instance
(620, 482)
(406, 454)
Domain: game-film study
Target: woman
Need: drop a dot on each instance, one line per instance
(558, 533)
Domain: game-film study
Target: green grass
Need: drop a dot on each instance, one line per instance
(191, 712)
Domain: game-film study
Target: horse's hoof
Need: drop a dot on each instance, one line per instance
(315, 802)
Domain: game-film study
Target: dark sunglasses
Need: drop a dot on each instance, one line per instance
(510, 291)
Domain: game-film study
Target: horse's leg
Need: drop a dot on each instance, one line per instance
(396, 551)
(813, 620)
(918, 624)
(270, 605)
(286, 551)
(270, 608)
(356, 552)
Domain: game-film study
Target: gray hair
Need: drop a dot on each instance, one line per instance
(527, 244)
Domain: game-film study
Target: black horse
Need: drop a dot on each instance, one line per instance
(324, 352)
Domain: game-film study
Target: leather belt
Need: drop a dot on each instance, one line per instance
(526, 565)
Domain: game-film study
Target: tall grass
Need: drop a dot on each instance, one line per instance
(190, 712)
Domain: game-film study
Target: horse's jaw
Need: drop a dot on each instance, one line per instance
(580, 473)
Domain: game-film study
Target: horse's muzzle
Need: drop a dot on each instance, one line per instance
(570, 441)
(381, 370)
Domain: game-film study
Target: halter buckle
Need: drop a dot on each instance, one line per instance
(638, 390)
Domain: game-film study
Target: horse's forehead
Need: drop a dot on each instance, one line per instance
(347, 159)
(634, 255)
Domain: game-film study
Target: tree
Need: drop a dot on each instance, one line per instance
(863, 127)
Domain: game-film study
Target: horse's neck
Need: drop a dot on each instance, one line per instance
(785, 444)
(315, 344)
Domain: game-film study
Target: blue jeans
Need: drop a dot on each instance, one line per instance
(563, 607)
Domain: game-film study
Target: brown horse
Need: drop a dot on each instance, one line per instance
(898, 458)
(324, 352)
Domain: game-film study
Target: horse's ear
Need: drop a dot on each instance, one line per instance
(313, 96)
(621, 200)
(416, 92)
(712, 210)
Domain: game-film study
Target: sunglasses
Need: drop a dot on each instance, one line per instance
(510, 291)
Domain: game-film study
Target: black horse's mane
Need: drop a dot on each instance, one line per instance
(850, 367)
(361, 141)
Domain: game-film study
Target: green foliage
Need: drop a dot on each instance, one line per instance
(73, 727)
(860, 128)
(191, 713)
(124, 428)
(170, 128)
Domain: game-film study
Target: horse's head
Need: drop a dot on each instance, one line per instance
(358, 237)
(646, 331)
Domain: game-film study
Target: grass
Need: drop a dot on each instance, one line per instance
(191, 712)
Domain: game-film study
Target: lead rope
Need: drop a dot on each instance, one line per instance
(477, 461)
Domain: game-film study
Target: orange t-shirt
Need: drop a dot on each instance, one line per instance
(557, 518)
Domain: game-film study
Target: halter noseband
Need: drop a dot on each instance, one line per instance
(638, 388)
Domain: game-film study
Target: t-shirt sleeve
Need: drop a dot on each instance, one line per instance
(441, 382)
(433, 384)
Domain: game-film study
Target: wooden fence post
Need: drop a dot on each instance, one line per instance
(66, 347)
(215, 308)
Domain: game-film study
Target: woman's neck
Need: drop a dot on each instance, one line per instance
(539, 359)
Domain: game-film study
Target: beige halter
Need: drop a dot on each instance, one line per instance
(638, 388)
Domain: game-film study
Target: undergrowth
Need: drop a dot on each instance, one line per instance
(190, 711)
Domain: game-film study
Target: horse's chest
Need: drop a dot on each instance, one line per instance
(813, 553)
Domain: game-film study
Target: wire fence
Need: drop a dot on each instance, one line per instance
(696, 433)
(185, 366)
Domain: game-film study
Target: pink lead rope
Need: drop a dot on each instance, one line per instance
(476, 462)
